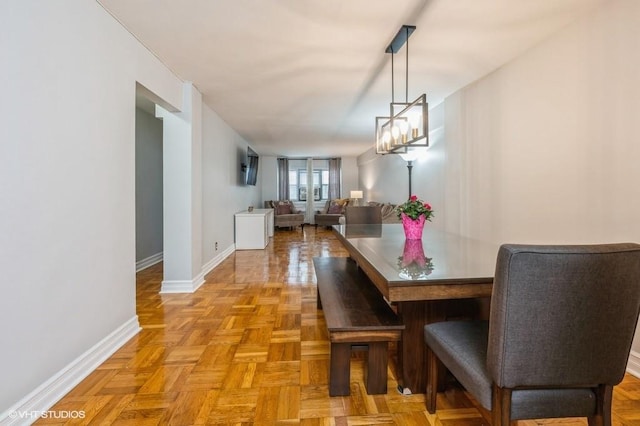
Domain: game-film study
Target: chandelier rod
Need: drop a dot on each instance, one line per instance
(406, 70)
(393, 95)
(396, 44)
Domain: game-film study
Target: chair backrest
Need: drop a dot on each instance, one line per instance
(563, 315)
(274, 204)
(358, 215)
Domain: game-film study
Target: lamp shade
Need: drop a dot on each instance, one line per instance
(356, 194)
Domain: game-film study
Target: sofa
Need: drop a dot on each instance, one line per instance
(388, 211)
(332, 212)
(360, 215)
(286, 215)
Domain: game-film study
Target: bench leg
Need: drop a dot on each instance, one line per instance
(339, 369)
(376, 378)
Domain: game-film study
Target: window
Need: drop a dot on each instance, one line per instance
(298, 184)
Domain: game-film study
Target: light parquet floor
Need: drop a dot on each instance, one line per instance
(250, 348)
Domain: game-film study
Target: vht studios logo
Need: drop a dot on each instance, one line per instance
(63, 414)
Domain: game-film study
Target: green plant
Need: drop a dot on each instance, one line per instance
(414, 208)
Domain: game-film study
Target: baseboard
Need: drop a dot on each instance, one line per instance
(189, 286)
(633, 365)
(182, 286)
(149, 261)
(208, 267)
(51, 391)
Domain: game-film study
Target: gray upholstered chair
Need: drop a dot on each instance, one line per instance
(359, 215)
(332, 213)
(286, 215)
(558, 338)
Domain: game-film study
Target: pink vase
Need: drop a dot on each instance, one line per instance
(413, 228)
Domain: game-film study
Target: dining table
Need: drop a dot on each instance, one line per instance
(442, 276)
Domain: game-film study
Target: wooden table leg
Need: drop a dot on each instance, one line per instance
(411, 350)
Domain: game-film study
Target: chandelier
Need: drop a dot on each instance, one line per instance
(407, 125)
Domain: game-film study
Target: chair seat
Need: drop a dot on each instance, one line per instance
(289, 219)
(462, 348)
(326, 219)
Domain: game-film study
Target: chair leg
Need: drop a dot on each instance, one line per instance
(432, 381)
(602, 417)
(501, 406)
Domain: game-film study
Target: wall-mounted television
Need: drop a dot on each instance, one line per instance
(251, 167)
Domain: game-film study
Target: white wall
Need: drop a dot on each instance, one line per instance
(349, 175)
(67, 178)
(67, 182)
(182, 194)
(224, 194)
(550, 140)
(543, 150)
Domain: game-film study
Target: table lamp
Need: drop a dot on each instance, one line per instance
(356, 196)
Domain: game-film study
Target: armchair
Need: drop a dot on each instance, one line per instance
(286, 215)
(332, 213)
(558, 338)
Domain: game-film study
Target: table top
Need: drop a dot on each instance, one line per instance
(440, 266)
(254, 212)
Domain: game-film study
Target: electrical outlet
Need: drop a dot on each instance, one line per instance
(216, 246)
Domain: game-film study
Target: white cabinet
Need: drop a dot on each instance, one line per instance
(253, 229)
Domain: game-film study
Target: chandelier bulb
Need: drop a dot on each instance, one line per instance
(414, 120)
(395, 132)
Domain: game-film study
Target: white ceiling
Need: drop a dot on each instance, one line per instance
(307, 77)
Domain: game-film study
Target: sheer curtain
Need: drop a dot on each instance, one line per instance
(335, 170)
(309, 208)
(283, 179)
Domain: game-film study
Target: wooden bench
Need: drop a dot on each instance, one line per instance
(357, 316)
